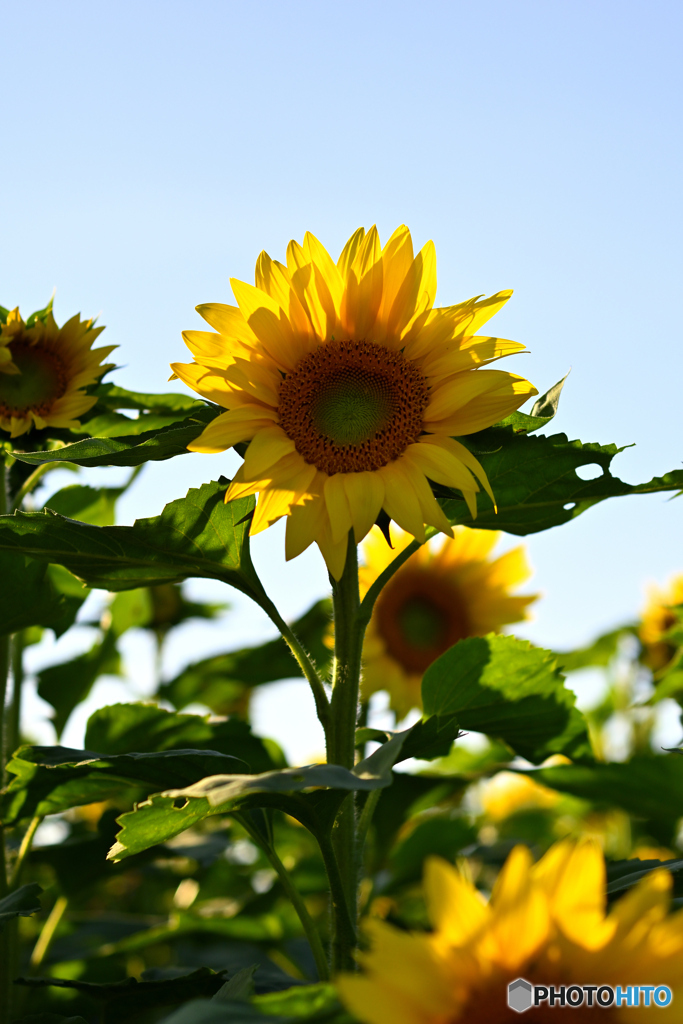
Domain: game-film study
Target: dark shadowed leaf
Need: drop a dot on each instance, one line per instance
(506, 688)
(21, 903)
(650, 788)
(150, 438)
(127, 728)
(170, 812)
(52, 779)
(622, 875)
(535, 482)
(122, 1000)
(198, 535)
(220, 681)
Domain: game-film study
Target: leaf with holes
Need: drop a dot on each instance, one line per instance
(199, 535)
(535, 481)
(170, 812)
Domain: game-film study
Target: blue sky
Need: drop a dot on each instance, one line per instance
(152, 149)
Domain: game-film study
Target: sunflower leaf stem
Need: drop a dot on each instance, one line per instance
(341, 742)
(322, 704)
(7, 938)
(368, 602)
(29, 485)
(292, 892)
(364, 823)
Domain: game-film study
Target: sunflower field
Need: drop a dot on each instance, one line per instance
(176, 869)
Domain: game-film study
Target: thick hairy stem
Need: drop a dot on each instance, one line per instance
(341, 745)
(294, 895)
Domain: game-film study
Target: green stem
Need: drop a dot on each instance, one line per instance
(48, 931)
(23, 850)
(14, 719)
(30, 484)
(341, 747)
(322, 705)
(344, 926)
(375, 590)
(294, 895)
(364, 825)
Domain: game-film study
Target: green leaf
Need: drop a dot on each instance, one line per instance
(650, 788)
(53, 779)
(535, 482)
(67, 684)
(168, 813)
(36, 594)
(127, 728)
(543, 411)
(240, 986)
(624, 874)
(132, 449)
(506, 688)
(441, 835)
(111, 397)
(94, 505)
(21, 903)
(219, 682)
(127, 998)
(407, 796)
(198, 535)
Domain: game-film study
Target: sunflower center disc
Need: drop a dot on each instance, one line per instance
(352, 406)
(419, 618)
(40, 382)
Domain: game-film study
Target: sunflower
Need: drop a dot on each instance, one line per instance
(43, 370)
(349, 386)
(657, 619)
(439, 596)
(544, 922)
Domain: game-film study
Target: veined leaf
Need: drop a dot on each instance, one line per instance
(198, 535)
(168, 813)
(506, 688)
(135, 447)
(36, 594)
(21, 903)
(53, 779)
(535, 482)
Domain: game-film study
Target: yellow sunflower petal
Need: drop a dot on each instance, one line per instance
(365, 495)
(268, 446)
(400, 500)
(240, 424)
(338, 508)
(455, 907)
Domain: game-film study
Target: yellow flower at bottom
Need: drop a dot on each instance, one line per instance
(658, 618)
(545, 922)
(439, 596)
(351, 388)
(43, 370)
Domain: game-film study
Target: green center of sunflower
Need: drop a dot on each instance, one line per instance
(424, 625)
(419, 615)
(351, 406)
(40, 382)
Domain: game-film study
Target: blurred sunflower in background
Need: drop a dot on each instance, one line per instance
(350, 387)
(439, 596)
(658, 618)
(44, 369)
(544, 922)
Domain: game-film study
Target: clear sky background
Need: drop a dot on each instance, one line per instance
(152, 149)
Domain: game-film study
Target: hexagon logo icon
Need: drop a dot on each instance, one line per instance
(520, 995)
